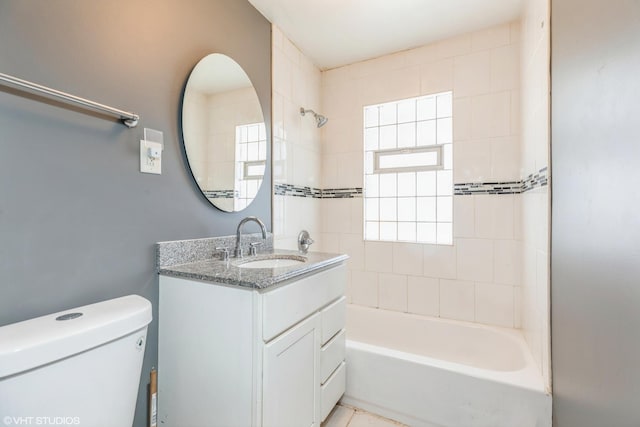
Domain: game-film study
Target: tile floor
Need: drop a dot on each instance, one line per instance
(347, 416)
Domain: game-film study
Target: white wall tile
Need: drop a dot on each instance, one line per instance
(464, 216)
(507, 260)
(496, 36)
(436, 77)
(421, 55)
(392, 291)
(494, 304)
(352, 245)
(461, 119)
(379, 256)
(472, 161)
(350, 167)
(517, 307)
(494, 216)
(291, 51)
(440, 261)
(472, 74)
(454, 46)
(486, 84)
(408, 258)
(336, 215)
(325, 242)
(533, 98)
(364, 288)
(505, 68)
(475, 259)
(505, 159)
(276, 36)
(357, 215)
(457, 300)
(390, 86)
(490, 115)
(423, 295)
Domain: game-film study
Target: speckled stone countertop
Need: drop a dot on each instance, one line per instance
(177, 260)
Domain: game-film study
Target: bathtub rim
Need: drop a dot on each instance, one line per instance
(528, 377)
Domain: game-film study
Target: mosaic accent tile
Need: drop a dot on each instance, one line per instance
(316, 193)
(510, 187)
(539, 179)
(221, 194)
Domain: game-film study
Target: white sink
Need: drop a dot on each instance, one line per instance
(274, 262)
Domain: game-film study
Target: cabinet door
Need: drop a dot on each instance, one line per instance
(291, 383)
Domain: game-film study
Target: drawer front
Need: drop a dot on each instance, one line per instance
(333, 319)
(285, 306)
(332, 391)
(331, 355)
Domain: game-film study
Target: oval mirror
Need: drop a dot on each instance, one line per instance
(224, 133)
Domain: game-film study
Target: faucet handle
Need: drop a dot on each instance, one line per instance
(224, 253)
(304, 241)
(253, 248)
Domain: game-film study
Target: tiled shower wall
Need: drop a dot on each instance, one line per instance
(536, 203)
(478, 277)
(296, 141)
(497, 270)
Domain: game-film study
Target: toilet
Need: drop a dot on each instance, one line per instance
(76, 367)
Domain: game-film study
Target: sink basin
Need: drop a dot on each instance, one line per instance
(274, 261)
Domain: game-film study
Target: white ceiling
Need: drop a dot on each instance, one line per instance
(333, 33)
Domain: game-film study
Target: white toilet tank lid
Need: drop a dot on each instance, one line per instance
(36, 342)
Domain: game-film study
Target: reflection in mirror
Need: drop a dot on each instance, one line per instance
(224, 133)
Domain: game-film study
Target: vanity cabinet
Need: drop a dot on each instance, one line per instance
(235, 356)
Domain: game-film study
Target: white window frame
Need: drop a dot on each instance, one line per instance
(419, 226)
(413, 150)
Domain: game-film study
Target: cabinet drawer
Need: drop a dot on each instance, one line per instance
(332, 391)
(331, 355)
(333, 319)
(285, 306)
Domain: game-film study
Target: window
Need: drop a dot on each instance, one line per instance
(251, 155)
(408, 182)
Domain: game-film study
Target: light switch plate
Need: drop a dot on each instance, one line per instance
(147, 163)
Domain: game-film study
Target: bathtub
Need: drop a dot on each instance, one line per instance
(431, 372)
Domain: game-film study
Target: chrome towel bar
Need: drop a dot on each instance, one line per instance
(129, 119)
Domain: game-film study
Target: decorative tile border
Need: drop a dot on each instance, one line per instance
(297, 191)
(510, 187)
(539, 179)
(317, 193)
(221, 194)
(342, 193)
(532, 181)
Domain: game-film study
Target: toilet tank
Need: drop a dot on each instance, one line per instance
(76, 367)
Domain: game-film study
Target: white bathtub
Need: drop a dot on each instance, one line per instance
(431, 372)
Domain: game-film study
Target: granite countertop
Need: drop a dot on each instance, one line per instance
(228, 272)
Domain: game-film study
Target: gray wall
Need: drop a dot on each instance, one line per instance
(596, 212)
(78, 221)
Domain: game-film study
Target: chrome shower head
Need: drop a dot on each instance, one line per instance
(320, 119)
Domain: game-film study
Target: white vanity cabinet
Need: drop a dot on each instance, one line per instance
(234, 356)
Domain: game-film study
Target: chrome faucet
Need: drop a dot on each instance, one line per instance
(238, 251)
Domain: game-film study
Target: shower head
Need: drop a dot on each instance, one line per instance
(320, 119)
